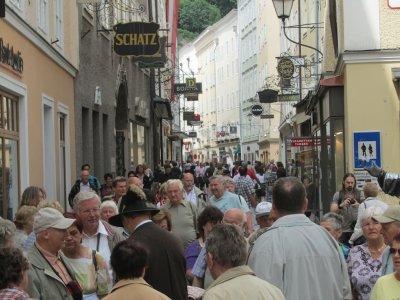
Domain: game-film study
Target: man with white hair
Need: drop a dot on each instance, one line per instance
(226, 259)
(97, 234)
(49, 275)
(183, 213)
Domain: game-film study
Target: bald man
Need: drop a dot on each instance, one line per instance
(136, 181)
(202, 278)
(235, 216)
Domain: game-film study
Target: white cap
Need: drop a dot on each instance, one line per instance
(263, 208)
(50, 218)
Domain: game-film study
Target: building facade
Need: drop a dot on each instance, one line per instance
(38, 65)
(358, 98)
(248, 78)
(117, 126)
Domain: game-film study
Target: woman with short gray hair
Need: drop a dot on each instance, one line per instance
(333, 223)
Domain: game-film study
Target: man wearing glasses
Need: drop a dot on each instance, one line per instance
(97, 234)
(50, 277)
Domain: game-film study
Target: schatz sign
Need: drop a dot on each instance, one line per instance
(137, 39)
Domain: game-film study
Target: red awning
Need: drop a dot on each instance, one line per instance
(332, 81)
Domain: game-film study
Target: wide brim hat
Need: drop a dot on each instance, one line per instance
(133, 202)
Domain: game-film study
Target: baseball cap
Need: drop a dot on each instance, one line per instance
(263, 208)
(392, 214)
(50, 218)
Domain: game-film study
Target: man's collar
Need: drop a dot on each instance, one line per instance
(52, 257)
(100, 229)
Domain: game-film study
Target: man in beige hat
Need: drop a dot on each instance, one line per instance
(390, 221)
(49, 275)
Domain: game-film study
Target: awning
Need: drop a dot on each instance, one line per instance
(177, 135)
(332, 81)
(300, 118)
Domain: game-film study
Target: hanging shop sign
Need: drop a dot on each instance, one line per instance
(192, 134)
(267, 116)
(188, 115)
(192, 97)
(155, 61)
(137, 39)
(11, 58)
(285, 68)
(257, 110)
(288, 97)
(190, 87)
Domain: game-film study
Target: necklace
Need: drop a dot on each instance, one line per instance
(377, 251)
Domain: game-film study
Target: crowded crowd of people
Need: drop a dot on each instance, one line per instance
(203, 231)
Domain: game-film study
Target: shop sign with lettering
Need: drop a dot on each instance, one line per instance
(137, 39)
(191, 87)
(10, 57)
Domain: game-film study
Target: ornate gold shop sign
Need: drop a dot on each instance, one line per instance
(137, 39)
(285, 68)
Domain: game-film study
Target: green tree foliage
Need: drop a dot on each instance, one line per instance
(197, 15)
(224, 6)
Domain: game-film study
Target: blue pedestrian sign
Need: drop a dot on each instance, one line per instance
(367, 149)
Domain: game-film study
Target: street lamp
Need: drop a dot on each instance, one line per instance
(283, 9)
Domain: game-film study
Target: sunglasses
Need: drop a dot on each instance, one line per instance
(394, 250)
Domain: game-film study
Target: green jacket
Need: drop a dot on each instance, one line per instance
(44, 284)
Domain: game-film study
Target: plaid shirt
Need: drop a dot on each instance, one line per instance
(13, 294)
(244, 188)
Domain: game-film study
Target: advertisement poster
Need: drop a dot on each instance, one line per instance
(367, 149)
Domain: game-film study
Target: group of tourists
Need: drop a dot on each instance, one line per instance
(129, 238)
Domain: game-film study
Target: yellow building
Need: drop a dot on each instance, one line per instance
(358, 99)
(39, 55)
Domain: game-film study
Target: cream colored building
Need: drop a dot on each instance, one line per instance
(40, 40)
(205, 46)
(227, 88)
(268, 50)
(359, 93)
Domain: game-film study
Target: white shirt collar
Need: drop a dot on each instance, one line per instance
(142, 223)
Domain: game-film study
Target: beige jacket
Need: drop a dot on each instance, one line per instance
(240, 283)
(134, 289)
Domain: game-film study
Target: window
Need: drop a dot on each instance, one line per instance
(43, 15)
(49, 167)
(9, 162)
(59, 20)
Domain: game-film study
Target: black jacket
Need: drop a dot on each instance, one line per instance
(75, 190)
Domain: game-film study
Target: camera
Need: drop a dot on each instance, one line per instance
(352, 201)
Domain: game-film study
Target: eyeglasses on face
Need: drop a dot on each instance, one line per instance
(394, 250)
(91, 210)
